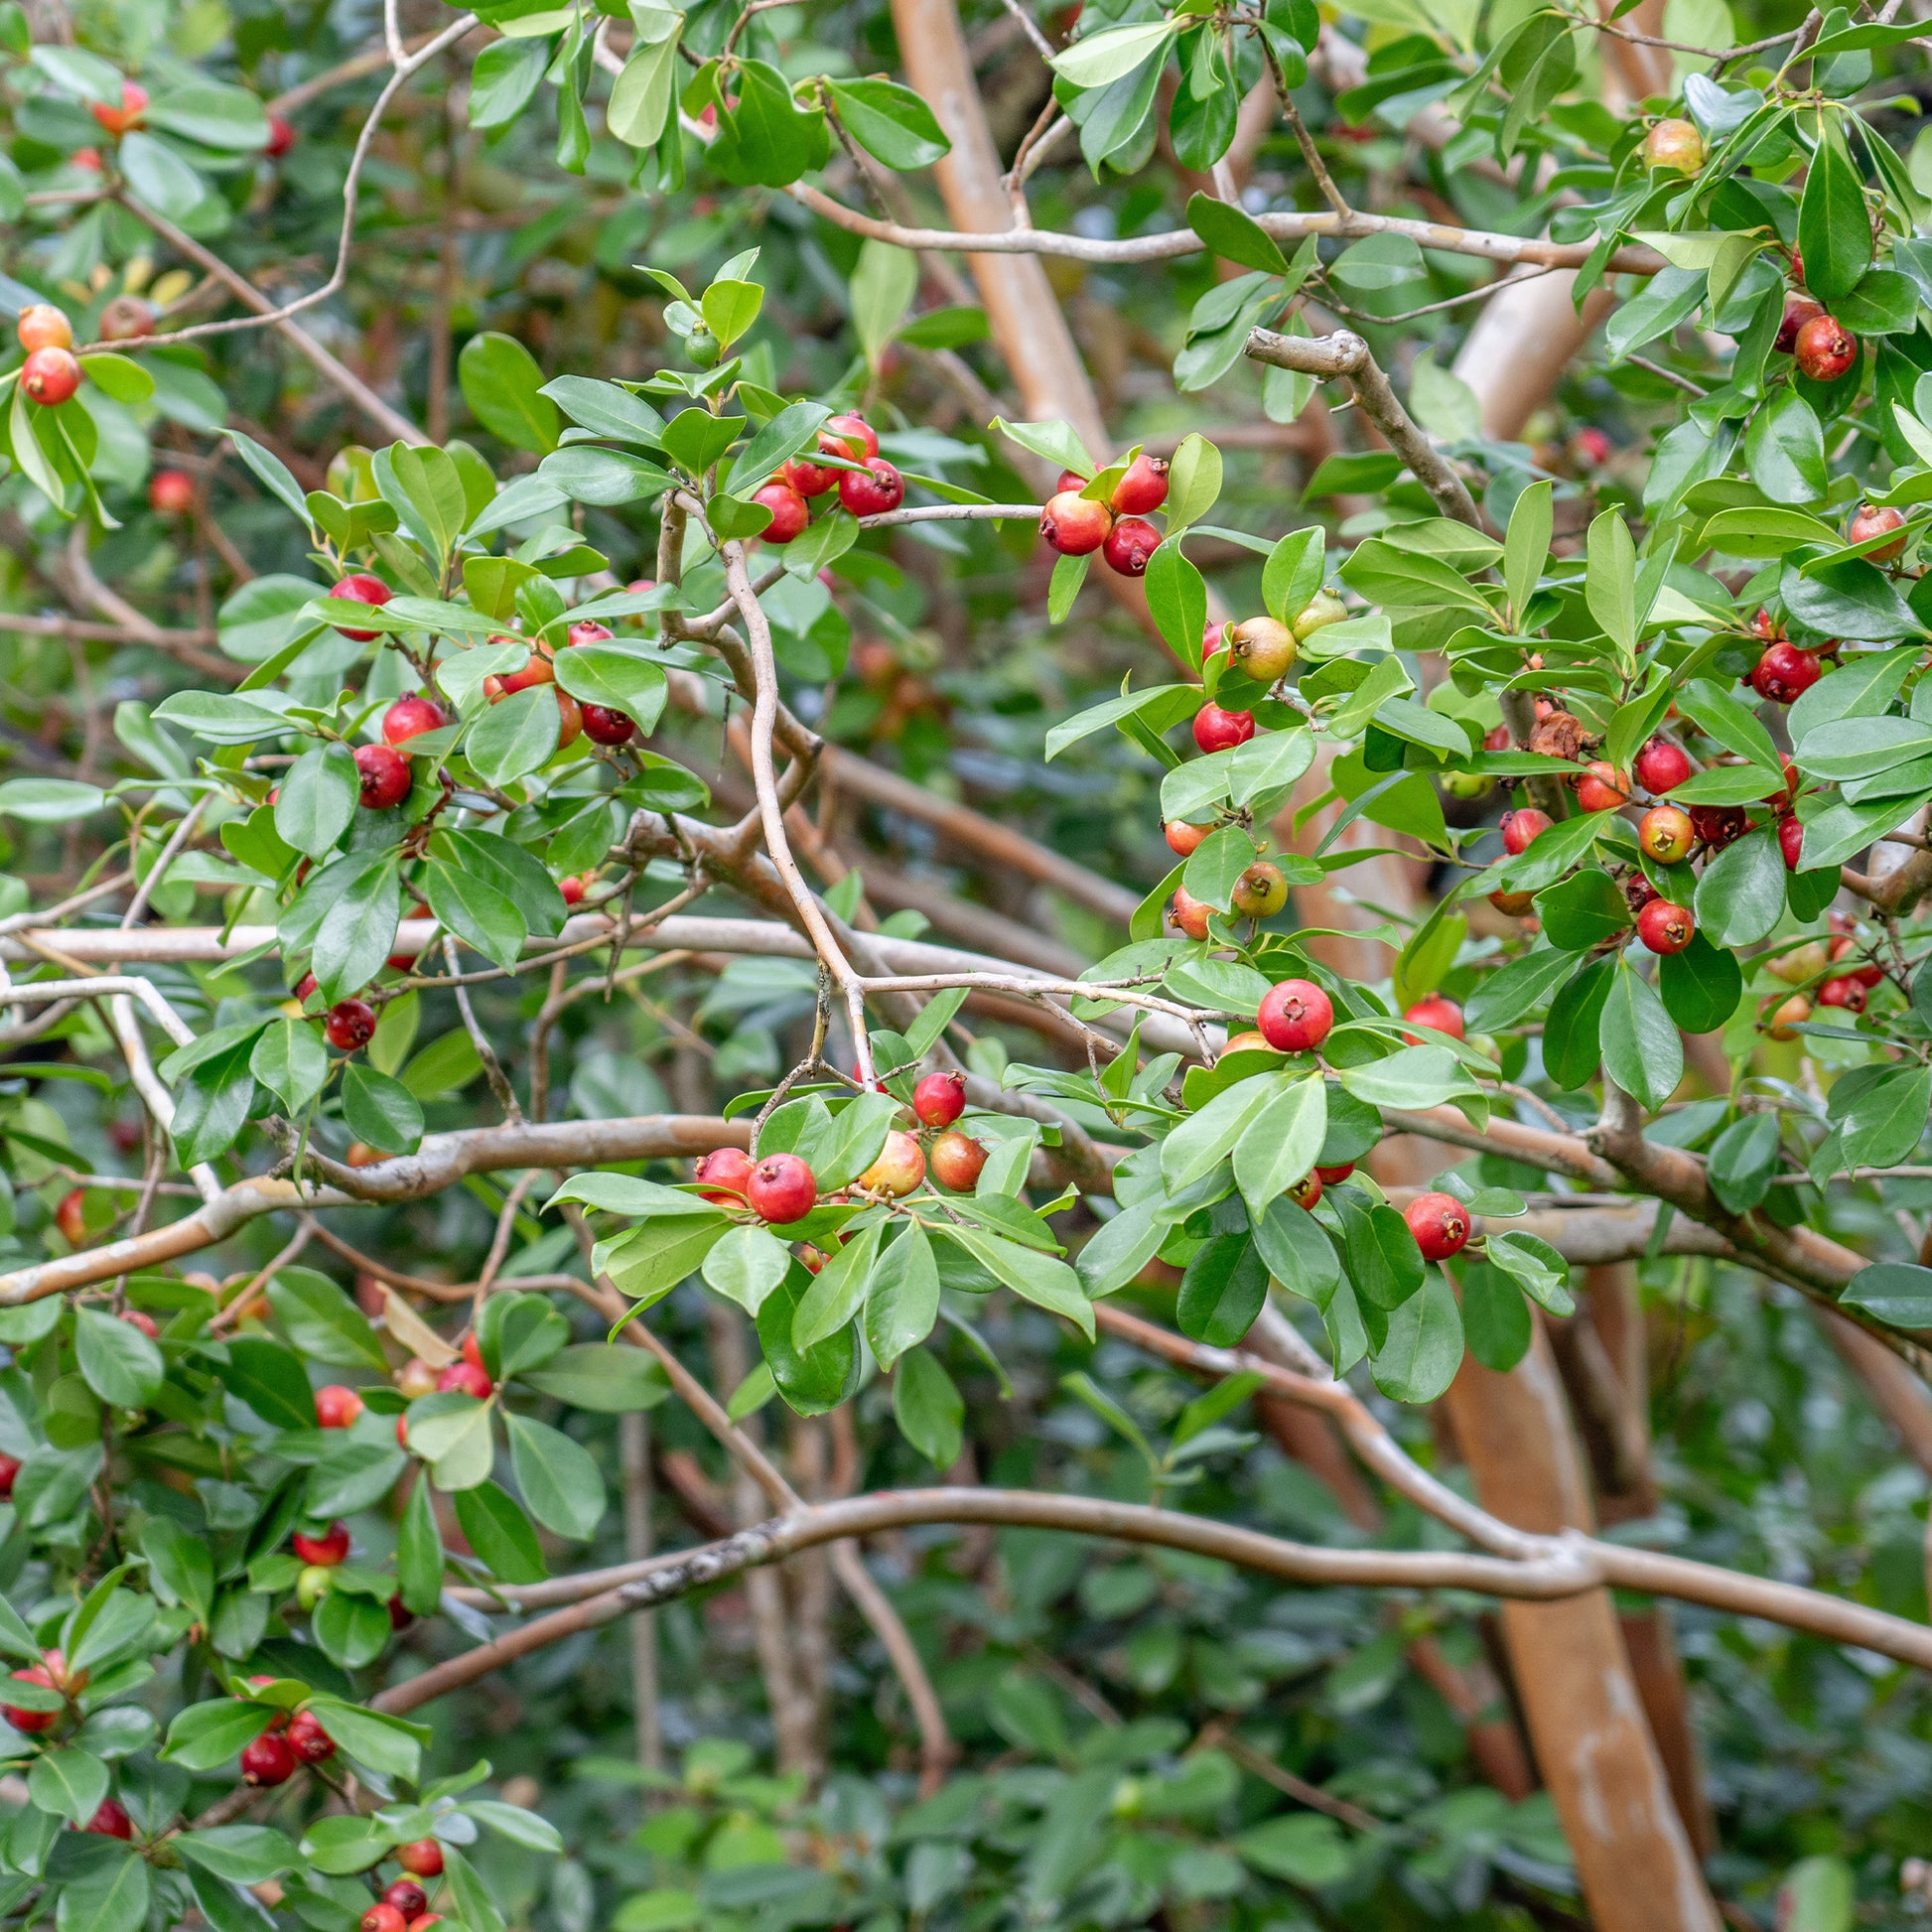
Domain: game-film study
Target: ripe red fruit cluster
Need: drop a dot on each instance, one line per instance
(1296, 1016)
(781, 1188)
(1440, 1223)
(868, 492)
(349, 1024)
(1076, 525)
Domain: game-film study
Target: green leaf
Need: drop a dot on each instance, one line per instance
(746, 1266)
(837, 1292)
(929, 1408)
(1193, 483)
(1099, 58)
(1497, 1326)
(558, 1477)
(620, 679)
(1537, 1268)
(450, 1430)
(316, 799)
(1384, 1263)
(503, 387)
(112, 1894)
(517, 1332)
(1526, 547)
(1422, 1347)
(419, 1551)
(1833, 232)
(350, 1630)
(321, 1322)
(889, 121)
(1572, 1032)
(1785, 449)
(391, 1746)
(1042, 1278)
(1222, 1291)
(1610, 579)
(1234, 235)
(1743, 1160)
(1584, 910)
(816, 1380)
(1642, 1049)
(641, 96)
(270, 1380)
(503, 80)
(902, 1300)
(516, 736)
(119, 1363)
(495, 1526)
(69, 1781)
(601, 1377)
(158, 176)
(380, 1110)
(1281, 1142)
(1897, 1293)
(205, 1737)
(290, 1060)
(1516, 989)
(1741, 896)
(1204, 1140)
(1701, 986)
(245, 1855)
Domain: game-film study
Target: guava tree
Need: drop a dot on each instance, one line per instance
(959, 748)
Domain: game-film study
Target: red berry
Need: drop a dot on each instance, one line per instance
(281, 138)
(326, 1550)
(1189, 913)
(1870, 522)
(1798, 310)
(132, 112)
(42, 325)
(384, 1918)
(49, 375)
(407, 1896)
(1823, 350)
(171, 492)
(1593, 449)
(361, 588)
(1719, 825)
(127, 318)
(268, 1760)
(351, 1024)
(1331, 1176)
(1665, 833)
(467, 1379)
(139, 1319)
(1130, 543)
(874, 490)
(385, 776)
(1182, 837)
(1496, 739)
(1144, 488)
(725, 1173)
(306, 1739)
(9, 1468)
(1519, 829)
(535, 669)
(1845, 993)
(790, 511)
(337, 1407)
(1074, 481)
(408, 716)
(32, 1721)
(604, 725)
(111, 1821)
(304, 986)
(1443, 1014)
(1296, 1016)
(1845, 952)
(809, 478)
(70, 1217)
(1664, 927)
(781, 1188)
(424, 1923)
(1073, 524)
(1791, 842)
(1598, 791)
(587, 630)
(955, 1160)
(1784, 674)
(423, 1859)
(899, 1170)
(940, 1100)
(1661, 767)
(1216, 729)
(1440, 1223)
(850, 436)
